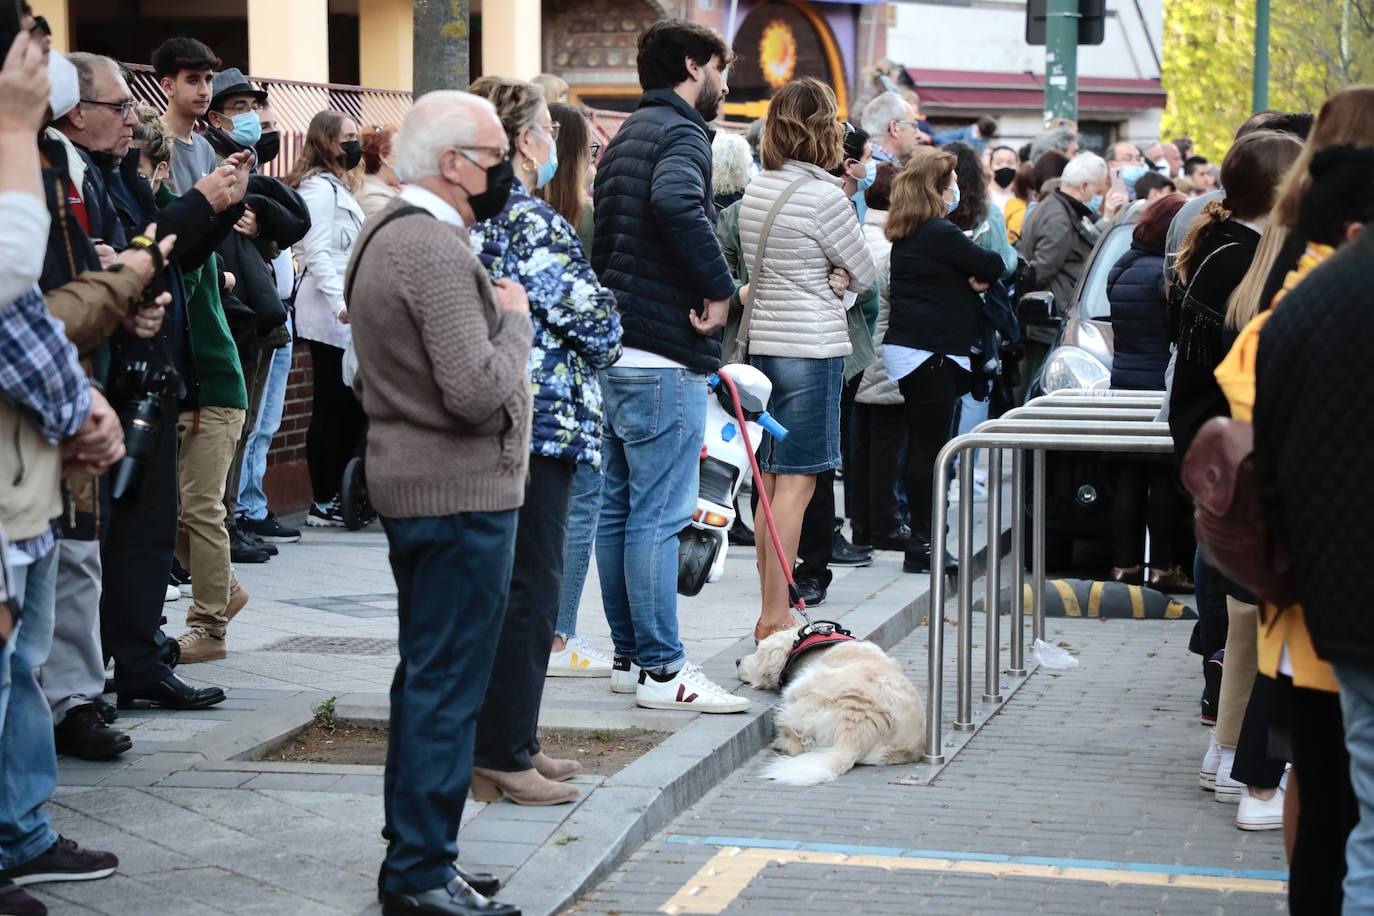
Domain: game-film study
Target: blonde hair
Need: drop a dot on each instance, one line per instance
(556, 89)
(803, 123)
(1347, 118)
(918, 191)
(154, 140)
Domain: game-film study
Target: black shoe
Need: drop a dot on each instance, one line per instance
(862, 538)
(918, 557)
(82, 733)
(483, 883)
(454, 899)
(269, 529)
(259, 543)
(242, 550)
(181, 578)
(1211, 686)
(64, 861)
(893, 540)
(15, 901)
(843, 553)
(741, 536)
(811, 589)
(172, 693)
(108, 714)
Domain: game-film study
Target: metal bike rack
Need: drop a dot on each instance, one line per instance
(1118, 422)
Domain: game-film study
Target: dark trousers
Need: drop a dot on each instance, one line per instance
(932, 396)
(510, 713)
(1253, 765)
(817, 533)
(879, 441)
(1328, 810)
(336, 422)
(1145, 497)
(1209, 633)
(849, 440)
(136, 556)
(452, 575)
(256, 367)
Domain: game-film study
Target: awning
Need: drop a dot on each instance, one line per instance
(983, 90)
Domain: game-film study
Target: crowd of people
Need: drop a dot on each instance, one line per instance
(515, 326)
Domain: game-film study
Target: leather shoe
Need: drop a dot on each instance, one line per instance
(552, 769)
(82, 733)
(453, 899)
(171, 693)
(483, 883)
(892, 540)
(108, 714)
(810, 588)
(918, 557)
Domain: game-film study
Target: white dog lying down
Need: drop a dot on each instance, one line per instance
(846, 704)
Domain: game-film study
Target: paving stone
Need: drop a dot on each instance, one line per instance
(475, 853)
(194, 779)
(302, 782)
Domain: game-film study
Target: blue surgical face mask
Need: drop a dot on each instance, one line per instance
(1095, 204)
(953, 204)
(247, 129)
(547, 169)
(1133, 173)
(870, 176)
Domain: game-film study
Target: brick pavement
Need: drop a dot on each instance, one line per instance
(1089, 765)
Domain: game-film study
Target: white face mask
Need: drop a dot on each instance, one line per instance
(66, 88)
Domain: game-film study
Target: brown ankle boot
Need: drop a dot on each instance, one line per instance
(524, 788)
(552, 768)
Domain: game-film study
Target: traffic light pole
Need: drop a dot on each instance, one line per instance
(1261, 75)
(1061, 60)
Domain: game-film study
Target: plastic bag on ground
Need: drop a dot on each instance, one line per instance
(1053, 657)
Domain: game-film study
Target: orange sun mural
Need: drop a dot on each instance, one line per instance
(777, 53)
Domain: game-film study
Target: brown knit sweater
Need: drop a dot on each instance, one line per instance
(441, 372)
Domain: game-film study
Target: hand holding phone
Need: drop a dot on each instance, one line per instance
(1118, 183)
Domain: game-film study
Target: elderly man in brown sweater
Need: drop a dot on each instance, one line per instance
(441, 356)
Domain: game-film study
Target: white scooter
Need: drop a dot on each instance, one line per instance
(736, 418)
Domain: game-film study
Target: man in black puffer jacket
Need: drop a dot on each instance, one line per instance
(656, 248)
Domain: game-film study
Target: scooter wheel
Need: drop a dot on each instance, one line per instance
(696, 552)
(353, 501)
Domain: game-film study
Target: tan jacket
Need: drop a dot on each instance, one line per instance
(795, 311)
(30, 485)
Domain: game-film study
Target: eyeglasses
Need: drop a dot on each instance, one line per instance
(595, 149)
(552, 129)
(912, 121)
(501, 152)
(242, 106)
(125, 108)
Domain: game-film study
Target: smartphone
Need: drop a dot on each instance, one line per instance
(1118, 183)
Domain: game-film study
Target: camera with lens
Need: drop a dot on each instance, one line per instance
(139, 387)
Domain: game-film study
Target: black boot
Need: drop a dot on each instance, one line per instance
(83, 733)
(918, 557)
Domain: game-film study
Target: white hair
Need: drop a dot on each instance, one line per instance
(438, 121)
(882, 111)
(730, 162)
(85, 64)
(1059, 140)
(1083, 167)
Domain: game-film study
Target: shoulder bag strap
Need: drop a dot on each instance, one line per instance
(358, 255)
(756, 269)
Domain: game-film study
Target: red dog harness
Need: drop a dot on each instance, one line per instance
(822, 634)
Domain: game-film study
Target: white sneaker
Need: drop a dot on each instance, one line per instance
(690, 689)
(1228, 790)
(624, 675)
(1261, 814)
(1207, 775)
(578, 659)
(173, 593)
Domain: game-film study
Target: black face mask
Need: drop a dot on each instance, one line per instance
(352, 154)
(492, 201)
(268, 146)
(1004, 176)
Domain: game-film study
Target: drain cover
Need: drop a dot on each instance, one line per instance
(333, 645)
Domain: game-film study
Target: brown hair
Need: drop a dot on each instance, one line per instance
(1047, 168)
(517, 102)
(1250, 173)
(1024, 185)
(317, 157)
(377, 145)
(567, 191)
(1154, 222)
(879, 193)
(918, 191)
(1345, 119)
(803, 123)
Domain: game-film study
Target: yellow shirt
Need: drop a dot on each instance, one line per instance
(1015, 213)
(1236, 377)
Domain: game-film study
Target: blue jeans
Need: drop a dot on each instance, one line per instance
(1357, 711)
(28, 759)
(971, 412)
(577, 546)
(655, 425)
(252, 499)
(452, 579)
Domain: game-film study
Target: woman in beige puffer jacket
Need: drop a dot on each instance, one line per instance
(798, 333)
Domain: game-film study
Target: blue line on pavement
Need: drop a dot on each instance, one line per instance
(1147, 867)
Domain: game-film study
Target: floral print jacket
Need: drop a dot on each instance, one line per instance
(576, 324)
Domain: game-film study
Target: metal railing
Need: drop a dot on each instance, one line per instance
(1117, 422)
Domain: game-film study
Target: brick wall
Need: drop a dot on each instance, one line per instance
(288, 479)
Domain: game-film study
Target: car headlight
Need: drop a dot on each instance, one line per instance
(1087, 336)
(1070, 367)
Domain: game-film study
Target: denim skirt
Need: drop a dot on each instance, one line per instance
(806, 401)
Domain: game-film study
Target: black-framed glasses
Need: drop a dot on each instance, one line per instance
(595, 150)
(125, 108)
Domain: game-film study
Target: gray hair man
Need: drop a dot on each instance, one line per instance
(892, 127)
(1060, 233)
(1060, 140)
(441, 373)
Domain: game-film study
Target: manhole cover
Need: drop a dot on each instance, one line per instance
(334, 645)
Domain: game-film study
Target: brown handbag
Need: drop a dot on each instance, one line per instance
(1232, 531)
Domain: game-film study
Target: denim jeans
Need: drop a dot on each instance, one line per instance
(971, 412)
(252, 499)
(655, 424)
(577, 546)
(28, 759)
(1357, 711)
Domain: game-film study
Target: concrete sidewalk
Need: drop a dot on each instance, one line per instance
(199, 829)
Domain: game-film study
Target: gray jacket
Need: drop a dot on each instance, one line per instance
(1056, 242)
(876, 387)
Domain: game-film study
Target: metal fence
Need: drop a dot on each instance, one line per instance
(1116, 422)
